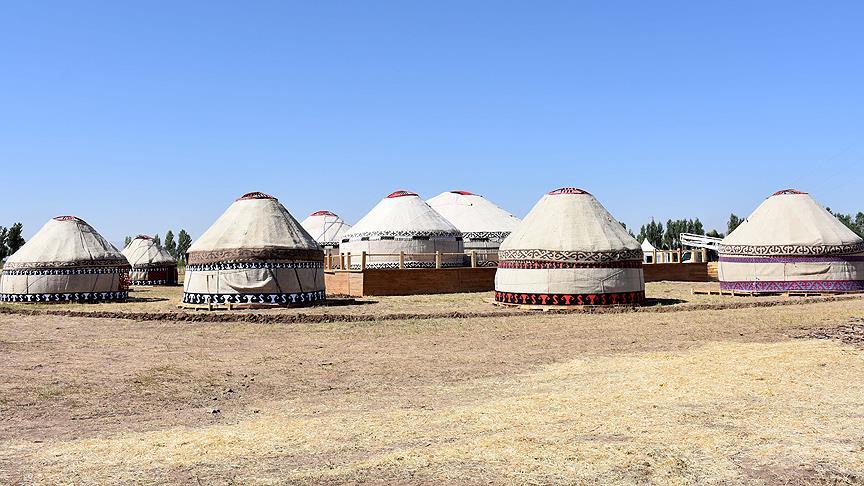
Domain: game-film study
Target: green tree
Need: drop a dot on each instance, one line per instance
(653, 232)
(156, 239)
(127, 241)
(4, 252)
(14, 239)
(734, 222)
(714, 234)
(170, 245)
(184, 241)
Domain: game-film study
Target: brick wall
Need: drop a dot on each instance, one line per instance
(681, 272)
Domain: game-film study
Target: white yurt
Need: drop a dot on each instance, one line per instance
(65, 261)
(791, 243)
(483, 224)
(255, 253)
(569, 251)
(403, 222)
(327, 228)
(151, 264)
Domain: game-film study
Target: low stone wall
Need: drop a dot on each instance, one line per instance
(410, 282)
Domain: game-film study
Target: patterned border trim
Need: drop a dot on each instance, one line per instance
(66, 271)
(497, 235)
(209, 267)
(614, 298)
(268, 299)
(94, 264)
(408, 264)
(544, 265)
(794, 259)
(155, 267)
(66, 297)
(782, 250)
(571, 256)
(800, 285)
(154, 282)
(401, 235)
(254, 254)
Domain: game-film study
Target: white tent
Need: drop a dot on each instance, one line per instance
(327, 228)
(403, 222)
(151, 264)
(791, 243)
(65, 261)
(483, 224)
(569, 251)
(648, 251)
(255, 253)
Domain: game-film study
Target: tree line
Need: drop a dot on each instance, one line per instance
(176, 247)
(854, 223)
(10, 240)
(669, 237)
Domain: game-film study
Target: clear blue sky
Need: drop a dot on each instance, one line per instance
(145, 116)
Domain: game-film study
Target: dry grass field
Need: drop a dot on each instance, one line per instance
(730, 395)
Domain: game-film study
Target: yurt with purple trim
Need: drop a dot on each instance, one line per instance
(569, 251)
(791, 243)
(151, 264)
(65, 261)
(255, 253)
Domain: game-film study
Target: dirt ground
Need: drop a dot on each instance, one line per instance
(770, 395)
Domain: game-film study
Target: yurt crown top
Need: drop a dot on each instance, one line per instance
(567, 190)
(255, 195)
(401, 194)
(788, 191)
(464, 193)
(323, 213)
(143, 237)
(68, 218)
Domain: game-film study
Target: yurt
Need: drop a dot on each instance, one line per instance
(327, 228)
(65, 261)
(403, 222)
(151, 264)
(483, 224)
(569, 251)
(256, 253)
(791, 243)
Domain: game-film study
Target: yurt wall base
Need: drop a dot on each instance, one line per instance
(410, 282)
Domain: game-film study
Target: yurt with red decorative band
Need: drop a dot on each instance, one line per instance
(569, 251)
(151, 264)
(483, 224)
(791, 243)
(327, 228)
(65, 261)
(403, 222)
(256, 253)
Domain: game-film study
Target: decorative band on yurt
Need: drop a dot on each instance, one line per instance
(254, 298)
(117, 296)
(550, 299)
(794, 285)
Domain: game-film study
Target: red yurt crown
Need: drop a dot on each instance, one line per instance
(567, 190)
(400, 194)
(322, 213)
(788, 191)
(68, 218)
(463, 193)
(255, 195)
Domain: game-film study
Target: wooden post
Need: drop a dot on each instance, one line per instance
(341, 261)
(327, 262)
(363, 262)
(437, 259)
(654, 258)
(401, 260)
(678, 252)
(348, 261)
(704, 255)
(473, 258)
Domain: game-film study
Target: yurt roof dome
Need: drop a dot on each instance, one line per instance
(402, 213)
(143, 252)
(66, 241)
(326, 227)
(791, 222)
(474, 215)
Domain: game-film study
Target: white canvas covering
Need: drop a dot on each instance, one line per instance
(66, 260)
(569, 251)
(255, 253)
(151, 264)
(792, 243)
(483, 224)
(326, 227)
(403, 222)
